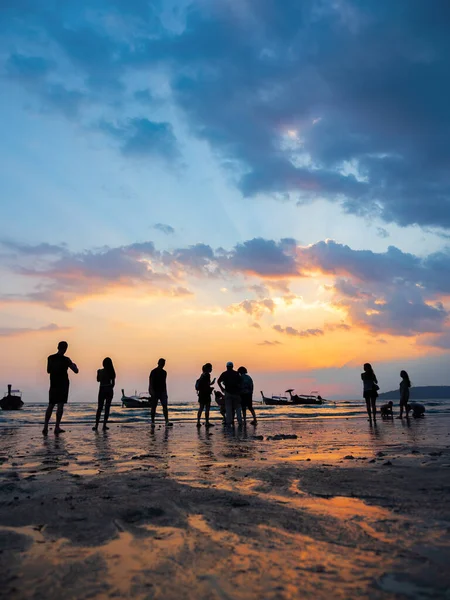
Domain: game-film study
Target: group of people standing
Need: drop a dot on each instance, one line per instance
(236, 388)
(235, 398)
(370, 393)
(236, 391)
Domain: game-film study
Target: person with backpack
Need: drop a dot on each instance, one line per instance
(204, 388)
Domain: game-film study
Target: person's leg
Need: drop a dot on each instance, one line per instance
(368, 408)
(229, 409)
(238, 409)
(59, 414)
(164, 404)
(373, 402)
(207, 408)
(154, 403)
(199, 413)
(107, 411)
(48, 415)
(100, 403)
(251, 409)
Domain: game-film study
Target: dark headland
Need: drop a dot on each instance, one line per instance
(425, 392)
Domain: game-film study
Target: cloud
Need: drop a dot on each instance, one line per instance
(254, 308)
(269, 343)
(167, 229)
(63, 276)
(33, 72)
(382, 232)
(315, 106)
(19, 331)
(389, 292)
(140, 137)
(296, 333)
(263, 257)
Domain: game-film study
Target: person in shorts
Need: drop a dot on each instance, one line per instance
(57, 367)
(157, 388)
(246, 395)
(204, 387)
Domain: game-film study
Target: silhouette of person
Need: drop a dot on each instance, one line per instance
(57, 367)
(370, 390)
(418, 410)
(230, 384)
(205, 388)
(246, 394)
(405, 384)
(107, 379)
(386, 409)
(157, 388)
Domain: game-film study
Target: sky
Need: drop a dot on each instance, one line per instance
(250, 180)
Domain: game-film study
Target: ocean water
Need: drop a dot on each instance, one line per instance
(84, 413)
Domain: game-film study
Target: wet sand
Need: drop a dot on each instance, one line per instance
(341, 510)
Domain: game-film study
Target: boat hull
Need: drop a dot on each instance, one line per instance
(134, 403)
(11, 403)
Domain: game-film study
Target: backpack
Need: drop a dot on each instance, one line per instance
(198, 383)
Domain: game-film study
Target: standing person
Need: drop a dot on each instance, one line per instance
(157, 388)
(57, 366)
(107, 379)
(230, 384)
(370, 390)
(204, 387)
(405, 384)
(246, 394)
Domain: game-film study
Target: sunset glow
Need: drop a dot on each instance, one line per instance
(177, 187)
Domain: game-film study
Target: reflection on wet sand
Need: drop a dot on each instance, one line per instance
(182, 513)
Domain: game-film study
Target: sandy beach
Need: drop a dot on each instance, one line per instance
(336, 509)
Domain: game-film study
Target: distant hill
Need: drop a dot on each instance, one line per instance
(426, 392)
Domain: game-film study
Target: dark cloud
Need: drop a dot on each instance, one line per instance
(33, 73)
(167, 229)
(342, 100)
(198, 258)
(140, 137)
(263, 257)
(42, 249)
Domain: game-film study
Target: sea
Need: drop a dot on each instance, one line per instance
(79, 413)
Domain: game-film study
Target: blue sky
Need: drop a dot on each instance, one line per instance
(197, 156)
